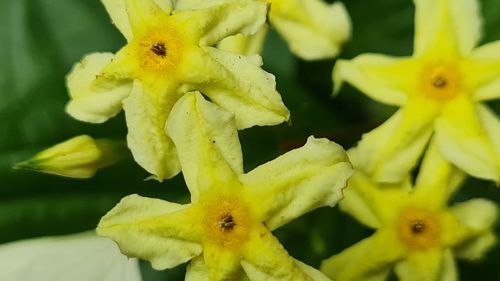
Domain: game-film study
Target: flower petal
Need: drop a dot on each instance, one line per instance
(385, 79)
(371, 259)
(468, 135)
(479, 215)
(216, 22)
(310, 271)
(152, 229)
(390, 151)
(76, 257)
(117, 10)
(435, 265)
(437, 178)
(222, 264)
(447, 27)
(312, 28)
(299, 181)
(245, 45)
(196, 270)
(146, 138)
(239, 85)
(140, 12)
(95, 99)
(265, 259)
(483, 71)
(207, 142)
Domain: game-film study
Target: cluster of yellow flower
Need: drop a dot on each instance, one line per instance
(190, 76)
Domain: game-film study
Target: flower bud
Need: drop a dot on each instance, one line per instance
(78, 157)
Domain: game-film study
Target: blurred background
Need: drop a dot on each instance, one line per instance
(42, 39)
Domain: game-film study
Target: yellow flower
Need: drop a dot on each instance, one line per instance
(226, 229)
(168, 54)
(78, 157)
(416, 233)
(440, 90)
(312, 28)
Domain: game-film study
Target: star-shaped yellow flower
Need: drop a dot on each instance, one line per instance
(226, 229)
(440, 90)
(169, 53)
(313, 29)
(416, 233)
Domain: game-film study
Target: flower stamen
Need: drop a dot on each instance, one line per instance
(440, 82)
(159, 49)
(227, 223)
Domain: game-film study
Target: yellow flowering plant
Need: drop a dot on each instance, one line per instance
(226, 229)
(169, 52)
(190, 77)
(416, 233)
(440, 89)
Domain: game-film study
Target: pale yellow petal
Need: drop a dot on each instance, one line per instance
(141, 12)
(239, 85)
(437, 178)
(446, 28)
(370, 259)
(299, 181)
(313, 29)
(480, 215)
(196, 270)
(392, 150)
(483, 71)
(385, 79)
(222, 264)
(310, 271)
(245, 45)
(117, 10)
(212, 23)
(207, 142)
(164, 233)
(265, 259)
(95, 99)
(477, 248)
(430, 265)
(468, 135)
(146, 137)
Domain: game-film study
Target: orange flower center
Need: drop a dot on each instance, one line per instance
(227, 222)
(159, 49)
(440, 81)
(419, 229)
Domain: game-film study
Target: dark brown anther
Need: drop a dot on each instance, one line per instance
(417, 227)
(159, 49)
(440, 82)
(227, 223)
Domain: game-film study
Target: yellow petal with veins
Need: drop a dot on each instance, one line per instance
(370, 259)
(469, 136)
(446, 28)
(169, 229)
(306, 178)
(383, 78)
(95, 100)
